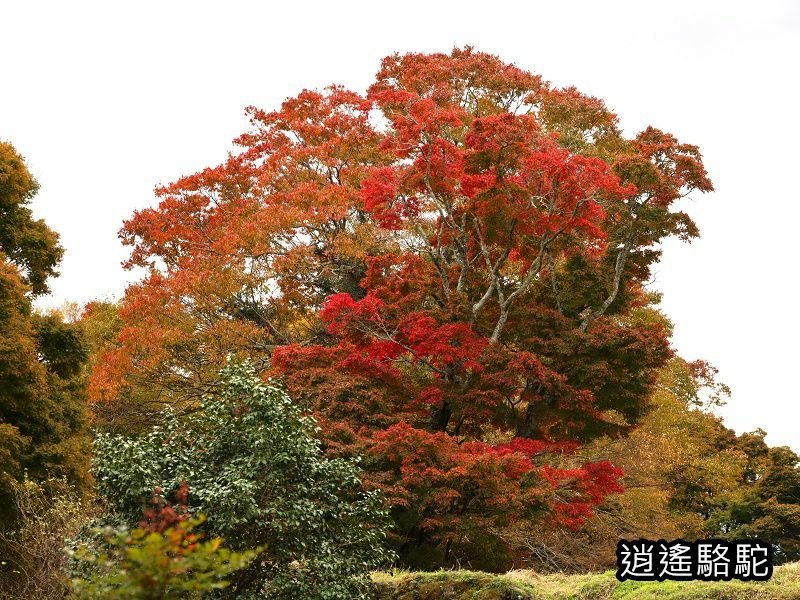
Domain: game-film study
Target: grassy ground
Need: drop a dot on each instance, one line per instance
(526, 585)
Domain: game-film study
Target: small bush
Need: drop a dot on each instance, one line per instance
(151, 565)
(32, 557)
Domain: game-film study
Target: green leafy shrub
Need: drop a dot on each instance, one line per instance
(258, 473)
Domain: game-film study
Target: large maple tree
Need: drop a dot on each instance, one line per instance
(447, 271)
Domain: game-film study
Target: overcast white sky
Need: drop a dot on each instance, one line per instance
(108, 99)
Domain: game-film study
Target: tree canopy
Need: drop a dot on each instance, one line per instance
(42, 400)
(448, 271)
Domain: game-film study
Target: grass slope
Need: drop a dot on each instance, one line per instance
(526, 585)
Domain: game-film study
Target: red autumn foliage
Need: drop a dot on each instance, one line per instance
(161, 515)
(447, 271)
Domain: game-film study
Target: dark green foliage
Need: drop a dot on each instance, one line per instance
(766, 507)
(255, 469)
(61, 346)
